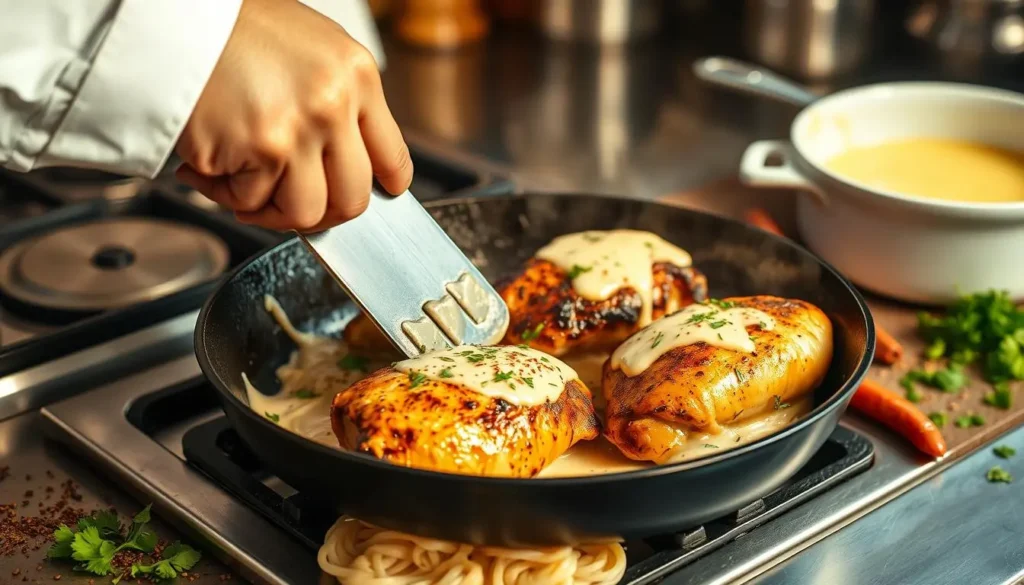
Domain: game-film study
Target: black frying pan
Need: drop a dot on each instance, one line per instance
(234, 335)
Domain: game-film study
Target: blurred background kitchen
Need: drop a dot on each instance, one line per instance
(599, 95)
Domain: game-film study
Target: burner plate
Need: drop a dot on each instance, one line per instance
(108, 264)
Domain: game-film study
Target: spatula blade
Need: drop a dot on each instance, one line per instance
(410, 279)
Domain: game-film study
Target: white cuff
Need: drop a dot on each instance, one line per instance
(142, 86)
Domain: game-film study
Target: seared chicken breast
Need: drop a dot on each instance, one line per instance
(489, 411)
(547, 313)
(583, 291)
(711, 365)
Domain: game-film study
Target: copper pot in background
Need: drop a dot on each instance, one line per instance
(809, 39)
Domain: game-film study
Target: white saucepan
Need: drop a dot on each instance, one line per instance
(909, 248)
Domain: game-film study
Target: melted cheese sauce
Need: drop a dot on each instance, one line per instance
(602, 263)
(599, 456)
(954, 170)
(518, 375)
(717, 326)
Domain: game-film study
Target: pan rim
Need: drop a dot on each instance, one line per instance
(842, 394)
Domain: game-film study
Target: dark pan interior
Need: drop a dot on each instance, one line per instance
(235, 335)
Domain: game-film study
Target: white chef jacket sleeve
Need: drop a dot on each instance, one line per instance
(104, 84)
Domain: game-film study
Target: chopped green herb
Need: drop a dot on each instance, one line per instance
(984, 327)
(939, 418)
(650, 245)
(935, 350)
(657, 340)
(739, 376)
(1004, 451)
(522, 346)
(446, 373)
(353, 362)
(476, 357)
(914, 395)
(779, 404)
(543, 359)
(698, 317)
(718, 324)
(416, 378)
(762, 324)
(720, 336)
(721, 304)
(578, 270)
(951, 379)
(592, 237)
(1000, 396)
(531, 334)
(306, 394)
(273, 416)
(528, 381)
(969, 420)
(502, 376)
(998, 475)
(446, 359)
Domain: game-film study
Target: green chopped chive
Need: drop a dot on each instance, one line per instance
(998, 475)
(1004, 451)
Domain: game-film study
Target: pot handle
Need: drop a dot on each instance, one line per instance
(755, 172)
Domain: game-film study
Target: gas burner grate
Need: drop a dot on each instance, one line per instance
(216, 450)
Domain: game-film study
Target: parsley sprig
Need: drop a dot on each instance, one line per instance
(96, 539)
(174, 559)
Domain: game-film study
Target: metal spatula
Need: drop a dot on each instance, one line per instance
(408, 276)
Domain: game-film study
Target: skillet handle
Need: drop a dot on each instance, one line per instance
(756, 172)
(752, 79)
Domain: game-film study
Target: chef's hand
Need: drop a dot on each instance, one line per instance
(292, 125)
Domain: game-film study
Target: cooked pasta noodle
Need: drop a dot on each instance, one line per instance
(357, 553)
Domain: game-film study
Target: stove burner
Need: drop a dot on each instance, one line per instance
(113, 257)
(109, 264)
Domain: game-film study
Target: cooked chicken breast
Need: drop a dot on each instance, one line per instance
(585, 290)
(711, 365)
(547, 313)
(489, 411)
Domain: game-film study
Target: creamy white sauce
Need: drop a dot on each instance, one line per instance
(717, 326)
(315, 373)
(519, 375)
(603, 262)
(599, 456)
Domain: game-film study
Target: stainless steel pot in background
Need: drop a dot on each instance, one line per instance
(598, 21)
(809, 39)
